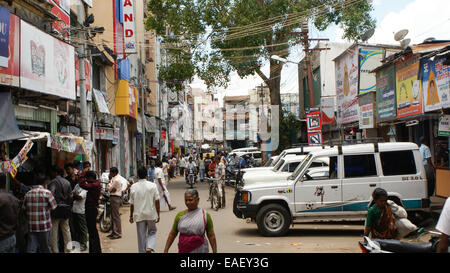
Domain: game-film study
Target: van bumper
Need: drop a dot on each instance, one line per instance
(242, 209)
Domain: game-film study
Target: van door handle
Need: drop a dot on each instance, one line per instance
(372, 185)
(334, 187)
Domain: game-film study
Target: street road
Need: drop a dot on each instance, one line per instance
(236, 235)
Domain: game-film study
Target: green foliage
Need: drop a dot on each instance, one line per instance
(216, 37)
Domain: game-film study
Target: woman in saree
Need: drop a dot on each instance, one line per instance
(380, 222)
(192, 224)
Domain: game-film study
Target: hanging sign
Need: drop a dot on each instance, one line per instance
(129, 29)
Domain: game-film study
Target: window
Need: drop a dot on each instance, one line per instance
(321, 171)
(293, 166)
(257, 155)
(398, 163)
(359, 165)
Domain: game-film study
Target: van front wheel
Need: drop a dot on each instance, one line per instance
(273, 220)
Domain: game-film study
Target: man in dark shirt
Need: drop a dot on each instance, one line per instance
(9, 212)
(89, 182)
(62, 191)
(71, 177)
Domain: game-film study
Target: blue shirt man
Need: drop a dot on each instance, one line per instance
(151, 172)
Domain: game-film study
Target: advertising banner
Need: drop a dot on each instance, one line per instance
(366, 120)
(386, 104)
(315, 138)
(313, 122)
(347, 87)
(47, 65)
(133, 102)
(436, 85)
(4, 36)
(129, 29)
(369, 59)
(9, 71)
(408, 89)
(444, 126)
(62, 10)
(327, 108)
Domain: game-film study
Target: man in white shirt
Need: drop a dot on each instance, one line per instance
(428, 164)
(115, 188)
(79, 232)
(182, 165)
(162, 188)
(144, 210)
(443, 226)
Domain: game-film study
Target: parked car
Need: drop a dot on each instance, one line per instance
(342, 194)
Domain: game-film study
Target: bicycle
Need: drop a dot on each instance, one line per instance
(214, 197)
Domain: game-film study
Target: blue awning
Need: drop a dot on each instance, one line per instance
(8, 124)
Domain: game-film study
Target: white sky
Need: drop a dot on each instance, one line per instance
(423, 19)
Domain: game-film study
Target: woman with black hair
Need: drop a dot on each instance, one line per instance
(380, 222)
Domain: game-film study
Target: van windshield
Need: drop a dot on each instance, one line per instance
(279, 158)
(277, 167)
(268, 163)
(300, 167)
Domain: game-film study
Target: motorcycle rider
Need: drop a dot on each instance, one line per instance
(190, 166)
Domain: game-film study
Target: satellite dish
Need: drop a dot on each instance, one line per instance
(401, 34)
(366, 36)
(405, 43)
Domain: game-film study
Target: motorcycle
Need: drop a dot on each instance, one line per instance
(397, 246)
(104, 213)
(126, 194)
(191, 178)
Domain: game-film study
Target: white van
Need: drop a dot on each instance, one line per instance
(245, 150)
(343, 193)
(293, 151)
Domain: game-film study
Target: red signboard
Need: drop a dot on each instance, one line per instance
(163, 135)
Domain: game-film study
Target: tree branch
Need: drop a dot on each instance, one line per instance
(263, 77)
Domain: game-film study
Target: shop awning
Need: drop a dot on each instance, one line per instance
(8, 124)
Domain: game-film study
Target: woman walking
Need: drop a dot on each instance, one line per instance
(192, 224)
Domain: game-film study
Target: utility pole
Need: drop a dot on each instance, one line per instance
(305, 40)
(82, 72)
(140, 81)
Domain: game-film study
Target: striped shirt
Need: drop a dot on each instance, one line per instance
(38, 204)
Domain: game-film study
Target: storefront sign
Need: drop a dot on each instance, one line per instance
(115, 140)
(347, 87)
(366, 116)
(4, 36)
(327, 108)
(47, 65)
(62, 10)
(315, 138)
(314, 127)
(436, 85)
(444, 126)
(129, 29)
(369, 59)
(386, 105)
(9, 63)
(104, 133)
(408, 89)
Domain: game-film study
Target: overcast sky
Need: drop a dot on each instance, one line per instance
(423, 19)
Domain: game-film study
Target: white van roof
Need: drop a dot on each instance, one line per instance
(306, 149)
(245, 149)
(367, 148)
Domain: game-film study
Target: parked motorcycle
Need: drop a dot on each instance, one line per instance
(397, 246)
(104, 213)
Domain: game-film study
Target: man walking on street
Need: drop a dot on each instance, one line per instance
(162, 188)
(9, 213)
(144, 210)
(182, 165)
(89, 182)
(62, 192)
(78, 217)
(115, 190)
(38, 203)
(151, 171)
(428, 164)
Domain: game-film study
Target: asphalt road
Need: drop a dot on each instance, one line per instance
(236, 235)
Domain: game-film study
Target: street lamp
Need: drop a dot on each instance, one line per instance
(280, 59)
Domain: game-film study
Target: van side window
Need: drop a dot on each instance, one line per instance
(398, 163)
(359, 165)
(257, 155)
(293, 166)
(317, 172)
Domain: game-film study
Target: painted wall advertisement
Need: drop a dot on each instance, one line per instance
(369, 59)
(9, 67)
(386, 103)
(408, 88)
(47, 65)
(436, 85)
(327, 108)
(347, 87)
